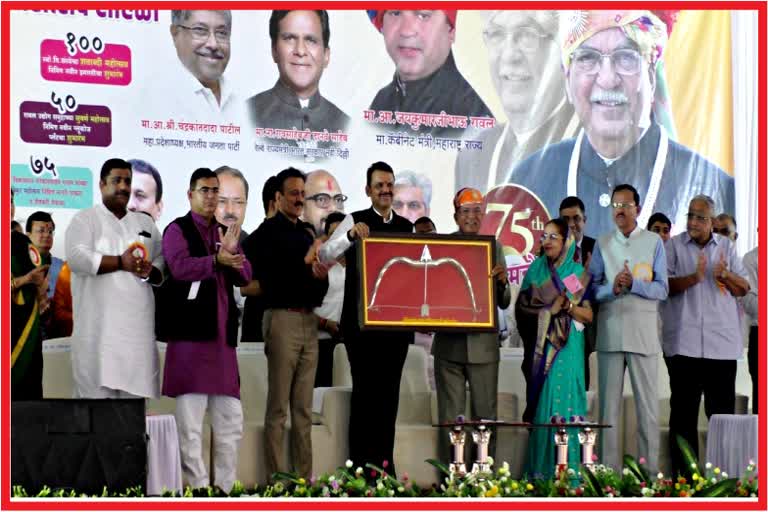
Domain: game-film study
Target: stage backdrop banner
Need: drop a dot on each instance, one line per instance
(529, 105)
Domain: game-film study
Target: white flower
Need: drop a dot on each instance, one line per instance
(725, 475)
(380, 486)
(570, 472)
(490, 461)
(358, 470)
(708, 465)
(348, 463)
(503, 479)
(660, 476)
(401, 489)
(505, 466)
(693, 465)
(713, 480)
(391, 492)
(625, 471)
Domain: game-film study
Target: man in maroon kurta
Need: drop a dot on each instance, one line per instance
(198, 318)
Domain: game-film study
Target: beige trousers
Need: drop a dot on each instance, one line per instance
(291, 347)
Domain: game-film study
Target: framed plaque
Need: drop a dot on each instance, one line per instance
(427, 282)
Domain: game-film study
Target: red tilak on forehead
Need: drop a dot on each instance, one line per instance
(329, 184)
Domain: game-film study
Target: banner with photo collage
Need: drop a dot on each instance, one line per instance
(526, 106)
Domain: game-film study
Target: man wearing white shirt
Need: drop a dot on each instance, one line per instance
(329, 313)
(114, 254)
(749, 301)
(202, 41)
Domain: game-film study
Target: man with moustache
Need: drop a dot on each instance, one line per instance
(524, 59)
(629, 274)
(725, 225)
(376, 358)
(293, 283)
(463, 359)
(114, 354)
(233, 198)
(300, 48)
(323, 198)
(413, 195)
(202, 40)
(702, 328)
(146, 189)
(612, 61)
(426, 78)
(198, 319)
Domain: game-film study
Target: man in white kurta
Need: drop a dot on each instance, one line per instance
(114, 354)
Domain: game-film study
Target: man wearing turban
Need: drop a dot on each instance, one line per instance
(462, 358)
(524, 60)
(612, 64)
(426, 78)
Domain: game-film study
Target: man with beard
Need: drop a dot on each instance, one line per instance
(199, 321)
(629, 270)
(300, 49)
(525, 67)
(413, 195)
(376, 358)
(323, 198)
(426, 77)
(293, 283)
(612, 61)
(202, 40)
(114, 254)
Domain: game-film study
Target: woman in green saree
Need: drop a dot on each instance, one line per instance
(29, 286)
(552, 309)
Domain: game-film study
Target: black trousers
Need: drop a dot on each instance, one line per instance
(689, 378)
(324, 373)
(376, 360)
(752, 361)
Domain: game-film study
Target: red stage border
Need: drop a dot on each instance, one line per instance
(761, 503)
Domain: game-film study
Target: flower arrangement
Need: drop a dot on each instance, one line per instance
(349, 481)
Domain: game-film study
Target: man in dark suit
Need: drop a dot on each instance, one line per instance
(376, 358)
(572, 212)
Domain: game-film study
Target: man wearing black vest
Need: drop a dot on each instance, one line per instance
(293, 283)
(197, 316)
(376, 357)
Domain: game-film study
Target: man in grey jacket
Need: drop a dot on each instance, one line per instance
(463, 357)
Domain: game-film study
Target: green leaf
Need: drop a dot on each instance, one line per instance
(636, 468)
(591, 482)
(689, 456)
(722, 488)
(439, 465)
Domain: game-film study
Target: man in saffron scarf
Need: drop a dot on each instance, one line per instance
(552, 309)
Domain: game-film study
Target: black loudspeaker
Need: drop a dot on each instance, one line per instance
(79, 444)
